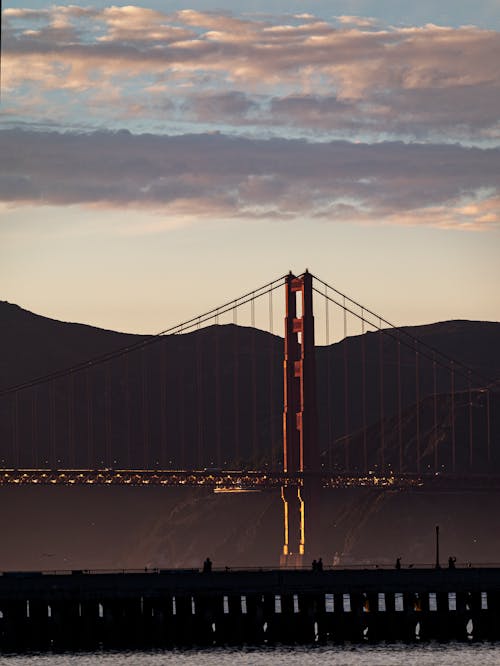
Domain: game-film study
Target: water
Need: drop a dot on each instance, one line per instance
(430, 654)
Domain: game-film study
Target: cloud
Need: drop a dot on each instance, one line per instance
(359, 21)
(218, 175)
(345, 76)
(216, 107)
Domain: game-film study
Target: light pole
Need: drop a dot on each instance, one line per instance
(438, 566)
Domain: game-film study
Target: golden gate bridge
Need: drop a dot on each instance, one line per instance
(231, 405)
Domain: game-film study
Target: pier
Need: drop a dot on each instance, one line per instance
(82, 610)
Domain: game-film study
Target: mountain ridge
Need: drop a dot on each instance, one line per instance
(214, 396)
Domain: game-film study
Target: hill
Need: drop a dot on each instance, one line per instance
(213, 397)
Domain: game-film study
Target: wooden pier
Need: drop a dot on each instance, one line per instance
(168, 608)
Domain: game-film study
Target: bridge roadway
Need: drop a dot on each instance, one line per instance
(168, 608)
(245, 480)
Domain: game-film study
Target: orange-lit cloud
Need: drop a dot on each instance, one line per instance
(347, 76)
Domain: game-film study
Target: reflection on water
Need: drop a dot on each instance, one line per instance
(393, 655)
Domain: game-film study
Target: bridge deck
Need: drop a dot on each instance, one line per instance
(242, 479)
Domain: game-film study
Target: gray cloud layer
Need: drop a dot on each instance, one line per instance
(217, 175)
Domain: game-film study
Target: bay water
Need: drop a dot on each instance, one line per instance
(428, 654)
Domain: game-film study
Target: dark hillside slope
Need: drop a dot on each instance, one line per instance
(213, 397)
(32, 345)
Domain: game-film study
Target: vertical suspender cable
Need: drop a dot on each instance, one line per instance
(52, 425)
(35, 462)
(488, 428)
(90, 421)
(218, 441)
(417, 402)
(236, 387)
(128, 416)
(363, 391)
(255, 451)
(182, 408)
(471, 440)
(15, 429)
(108, 457)
(163, 403)
(271, 383)
(381, 393)
(400, 410)
(434, 393)
(453, 442)
(329, 405)
(144, 410)
(71, 419)
(271, 313)
(346, 391)
(199, 399)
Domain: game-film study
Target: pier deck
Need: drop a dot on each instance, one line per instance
(166, 608)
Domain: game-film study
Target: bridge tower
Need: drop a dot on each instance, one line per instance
(300, 440)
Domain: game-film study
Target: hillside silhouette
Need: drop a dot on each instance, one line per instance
(174, 403)
(213, 397)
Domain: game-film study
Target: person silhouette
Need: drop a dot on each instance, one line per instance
(207, 565)
(398, 563)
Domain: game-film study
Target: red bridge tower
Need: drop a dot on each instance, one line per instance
(300, 441)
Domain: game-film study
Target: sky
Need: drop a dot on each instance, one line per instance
(162, 158)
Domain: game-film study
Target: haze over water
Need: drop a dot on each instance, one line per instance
(431, 654)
